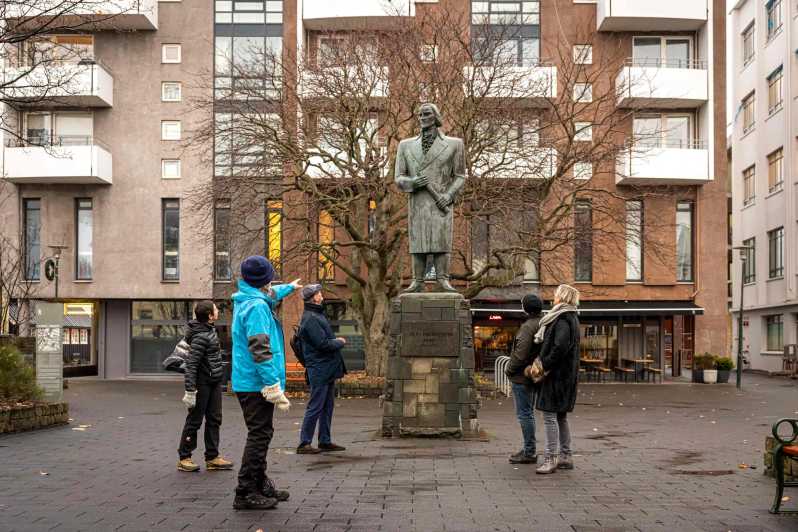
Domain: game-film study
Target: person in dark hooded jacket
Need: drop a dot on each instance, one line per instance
(203, 395)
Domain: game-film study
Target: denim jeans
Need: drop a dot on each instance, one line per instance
(319, 410)
(558, 435)
(525, 411)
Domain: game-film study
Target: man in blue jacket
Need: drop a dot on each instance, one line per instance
(258, 377)
(324, 364)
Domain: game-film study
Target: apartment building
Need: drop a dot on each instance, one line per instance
(133, 257)
(764, 201)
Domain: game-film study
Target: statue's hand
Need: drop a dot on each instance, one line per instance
(444, 200)
(420, 182)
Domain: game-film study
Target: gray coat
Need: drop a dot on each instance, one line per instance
(430, 229)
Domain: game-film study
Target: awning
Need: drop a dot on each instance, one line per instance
(595, 308)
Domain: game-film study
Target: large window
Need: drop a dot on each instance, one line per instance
(776, 170)
(776, 253)
(83, 237)
(505, 12)
(156, 327)
(775, 332)
(171, 239)
(749, 44)
(518, 42)
(274, 234)
(326, 237)
(775, 91)
(684, 241)
(773, 14)
(269, 12)
(248, 67)
(221, 241)
(749, 117)
(33, 228)
(663, 131)
(583, 241)
(749, 185)
(671, 52)
(62, 128)
(634, 240)
(749, 262)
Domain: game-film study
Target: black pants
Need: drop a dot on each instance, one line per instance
(208, 406)
(258, 415)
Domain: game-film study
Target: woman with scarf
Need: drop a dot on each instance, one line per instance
(559, 355)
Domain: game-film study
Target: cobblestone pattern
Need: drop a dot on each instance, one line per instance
(430, 396)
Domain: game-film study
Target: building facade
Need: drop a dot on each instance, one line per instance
(764, 201)
(111, 187)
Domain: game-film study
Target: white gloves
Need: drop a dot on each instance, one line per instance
(274, 394)
(190, 399)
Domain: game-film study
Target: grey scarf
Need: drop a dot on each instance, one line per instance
(553, 314)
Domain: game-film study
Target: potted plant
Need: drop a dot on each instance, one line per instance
(710, 373)
(724, 365)
(698, 368)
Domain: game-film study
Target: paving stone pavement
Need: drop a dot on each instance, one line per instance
(648, 458)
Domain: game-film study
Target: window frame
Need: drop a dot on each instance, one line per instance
(221, 205)
(179, 86)
(680, 207)
(164, 163)
(775, 170)
(274, 215)
(640, 241)
(326, 268)
(583, 241)
(165, 124)
(776, 320)
(171, 46)
(164, 208)
(773, 12)
(775, 82)
(582, 54)
(583, 129)
(749, 265)
(749, 102)
(78, 209)
(749, 178)
(749, 37)
(776, 253)
(583, 92)
(34, 274)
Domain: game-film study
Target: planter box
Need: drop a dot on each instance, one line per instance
(723, 376)
(698, 376)
(31, 417)
(710, 376)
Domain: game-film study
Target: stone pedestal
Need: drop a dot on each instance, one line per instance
(429, 385)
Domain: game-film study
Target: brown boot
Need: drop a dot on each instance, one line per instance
(187, 465)
(218, 464)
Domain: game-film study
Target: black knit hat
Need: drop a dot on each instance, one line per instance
(532, 304)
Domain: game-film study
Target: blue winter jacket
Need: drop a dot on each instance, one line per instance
(258, 348)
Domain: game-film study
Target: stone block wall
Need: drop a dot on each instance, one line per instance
(31, 417)
(430, 388)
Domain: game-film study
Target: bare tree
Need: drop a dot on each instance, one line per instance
(14, 286)
(319, 132)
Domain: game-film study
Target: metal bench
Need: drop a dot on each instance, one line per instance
(785, 447)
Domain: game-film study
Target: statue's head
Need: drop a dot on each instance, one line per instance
(429, 115)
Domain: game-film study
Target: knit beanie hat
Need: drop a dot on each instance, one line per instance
(532, 304)
(257, 271)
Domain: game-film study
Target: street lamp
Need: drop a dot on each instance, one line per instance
(743, 258)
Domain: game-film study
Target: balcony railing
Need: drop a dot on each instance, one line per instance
(88, 83)
(61, 159)
(664, 162)
(662, 84)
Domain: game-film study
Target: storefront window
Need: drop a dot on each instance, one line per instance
(599, 341)
(156, 328)
(492, 341)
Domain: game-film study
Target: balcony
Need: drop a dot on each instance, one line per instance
(354, 14)
(662, 85)
(60, 84)
(650, 15)
(92, 15)
(520, 82)
(671, 163)
(70, 160)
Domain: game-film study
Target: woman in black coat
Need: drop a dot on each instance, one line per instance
(559, 355)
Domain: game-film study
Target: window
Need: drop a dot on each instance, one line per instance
(170, 130)
(510, 52)
(429, 53)
(775, 332)
(749, 44)
(33, 228)
(505, 13)
(776, 253)
(583, 131)
(775, 96)
(583, 241)
(274, 233)
(776, 170)
(667, 52)
(773, 14)
(62, 128)
(634, 240)
(247, 67)
(170, 168)
(749, 185)
(171, 91)
(155, 328)
(83, 238)
(171, 53)
(326, 237)
(228, 12)
(171, 239)
(583, 92)
(684, 241)
(748, 113)
(749, 261)
(583, 54)
(583, 170)
(221, 241)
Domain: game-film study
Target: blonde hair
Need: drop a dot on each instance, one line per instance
(567, 294)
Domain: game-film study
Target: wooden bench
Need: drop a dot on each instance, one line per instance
(785, 447)
(623, 373)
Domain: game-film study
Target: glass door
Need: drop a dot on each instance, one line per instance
(38, 128)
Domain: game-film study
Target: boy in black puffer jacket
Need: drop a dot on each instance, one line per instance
(203, 396)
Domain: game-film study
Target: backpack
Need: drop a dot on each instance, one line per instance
(296, 346)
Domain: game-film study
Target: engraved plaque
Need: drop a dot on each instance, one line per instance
(430, 339)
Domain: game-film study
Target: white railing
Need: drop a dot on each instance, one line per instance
(502, 382)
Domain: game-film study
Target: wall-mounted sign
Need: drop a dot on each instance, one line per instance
(495, 317)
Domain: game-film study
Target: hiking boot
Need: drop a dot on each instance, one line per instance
(218, 464)
(187, 465)
(522, 458)
(307, 448)
(271, 492)
(565, 461)
(253, 501)
(330, 448)
(548, 467)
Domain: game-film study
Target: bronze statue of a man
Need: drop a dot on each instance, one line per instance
(431, 169)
